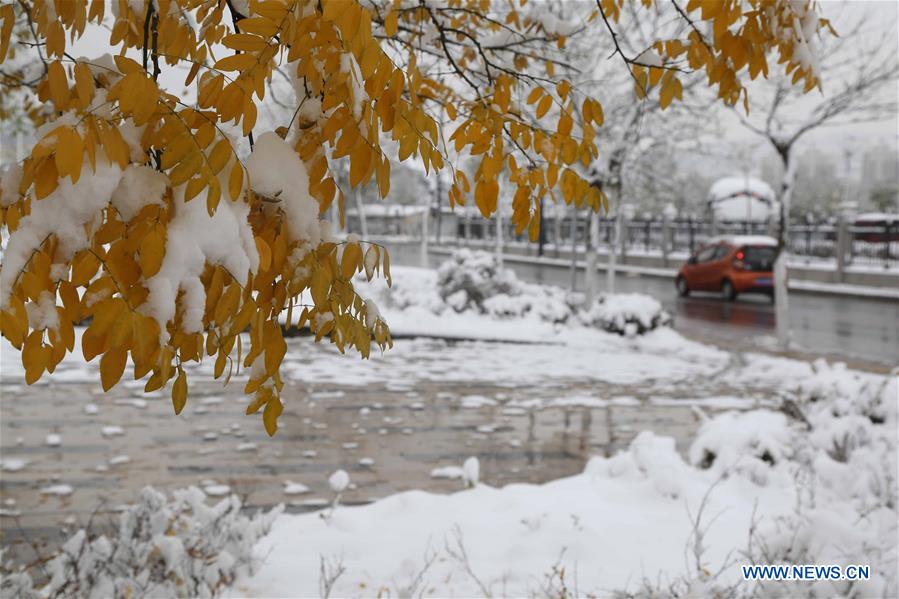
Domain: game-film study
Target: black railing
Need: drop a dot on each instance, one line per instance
(876, 245)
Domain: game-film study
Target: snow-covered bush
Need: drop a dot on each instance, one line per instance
(847, 392)
(162, 548)
(626, 313)
(469, 278)
(476, 280)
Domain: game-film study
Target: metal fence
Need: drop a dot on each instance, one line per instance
(874, 245)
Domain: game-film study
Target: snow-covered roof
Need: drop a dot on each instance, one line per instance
(745, 240)
(390, 209)
(871, 217)
(741, 185)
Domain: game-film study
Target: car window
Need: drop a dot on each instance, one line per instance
(706, 254)
(762, 256)
(720, 252)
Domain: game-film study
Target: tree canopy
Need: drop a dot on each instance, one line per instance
(168, 218)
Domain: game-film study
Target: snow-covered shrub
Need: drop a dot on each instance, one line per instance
(162, 548)
(626, 313)
(747, 442)
(475, 280)
(549, 304)
(848, 392)
(471, 277)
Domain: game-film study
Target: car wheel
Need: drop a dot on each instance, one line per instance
(727, 290)
(683, 289)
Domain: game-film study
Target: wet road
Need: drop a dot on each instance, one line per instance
(849, 328)
(388, 435)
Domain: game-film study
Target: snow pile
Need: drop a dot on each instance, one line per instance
(626, 314)
(812, 482)
(162, 548)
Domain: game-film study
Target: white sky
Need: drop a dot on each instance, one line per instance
(831, 140)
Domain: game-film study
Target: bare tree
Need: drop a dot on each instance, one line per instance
(633, 126)
(859, 71)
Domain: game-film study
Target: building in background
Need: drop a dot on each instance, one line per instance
(741, 198)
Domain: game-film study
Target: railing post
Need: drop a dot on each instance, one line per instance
(888, 227)
(666, 238)
(692, 234)
(842, 247)
(425, 216)
(624, 233)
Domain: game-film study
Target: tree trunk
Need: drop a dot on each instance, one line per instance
(363, 225)
(499, 230)
(592, 250)
(573, 230)
(614, 195)
(781, 297)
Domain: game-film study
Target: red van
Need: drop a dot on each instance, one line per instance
(730, 265)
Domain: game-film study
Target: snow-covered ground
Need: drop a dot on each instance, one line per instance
(795, 462)
(813, 481)
(813, 485)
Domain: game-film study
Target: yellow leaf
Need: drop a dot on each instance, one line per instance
(59, 85)
(213, 195)
(391, 23)
(370, 59)
(219, 156)
(236, 62)
(321, 285)
(245, 42)
(194, 186)
(126, 65)
(152, 251)
(112, 365)
(179, 392)
(360, 163)
(46, 179)
(265, 254)
(543, 106)
(273, 409)
(535, 95)
(69, 153)
(84, 84)
(259, 26)
(235, 181)
(9, 18)
(372, 257)
(349, 263)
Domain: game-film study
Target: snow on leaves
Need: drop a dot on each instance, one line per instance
(143, 213)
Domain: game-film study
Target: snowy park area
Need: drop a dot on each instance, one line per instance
(437, 467)
(449, 298)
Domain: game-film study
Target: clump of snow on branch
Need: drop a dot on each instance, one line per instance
(64, 212)
(162, 548)
(140, 186)
(194, 239)
(277, 173)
